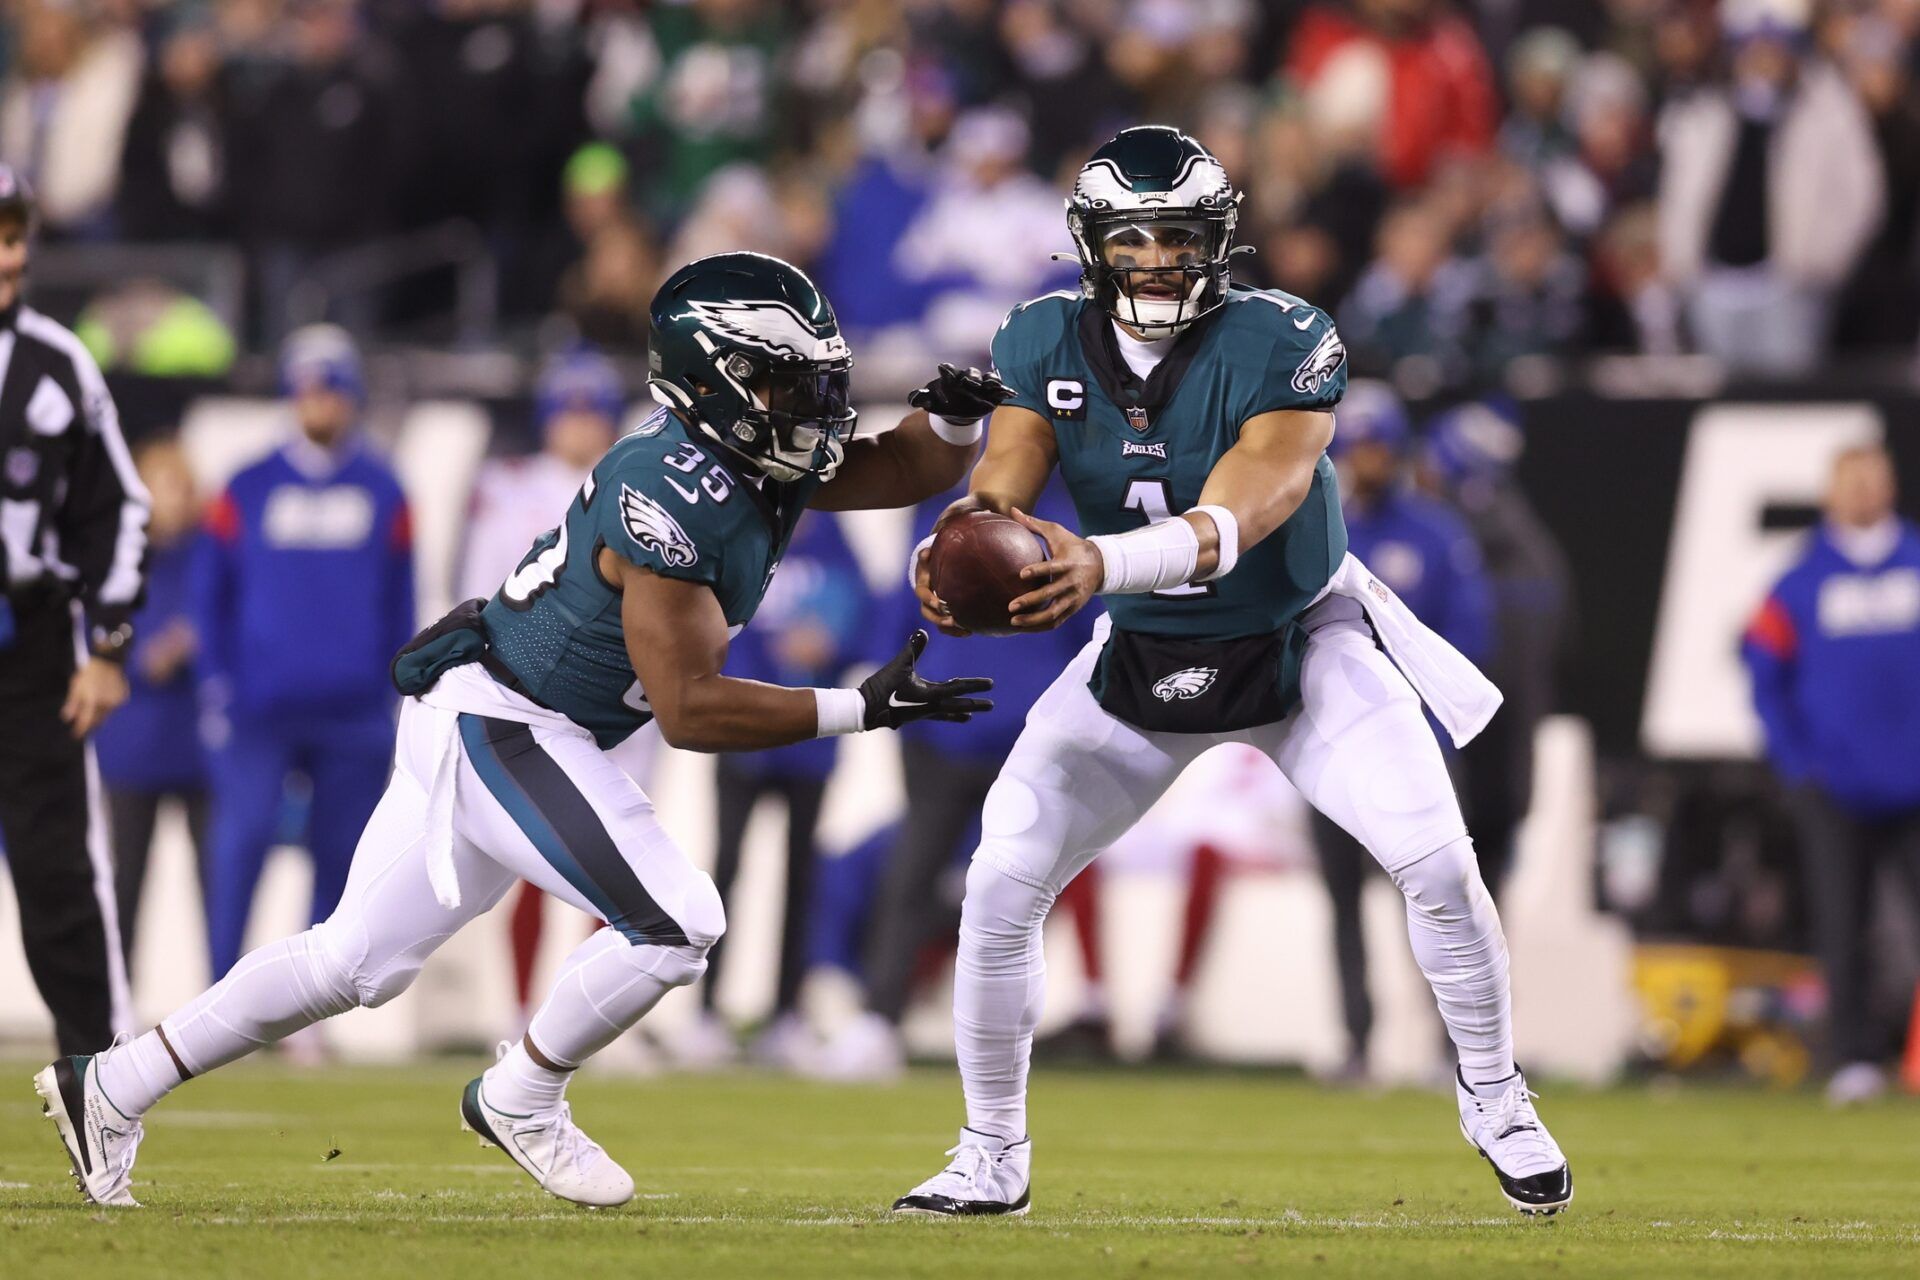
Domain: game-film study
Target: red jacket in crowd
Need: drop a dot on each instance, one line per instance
(1441, 97)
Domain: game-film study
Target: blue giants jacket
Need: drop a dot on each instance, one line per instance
(151, 744)
(305, 591)
(1426, 553)
(1834, 653)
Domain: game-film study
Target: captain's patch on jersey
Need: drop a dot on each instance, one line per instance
(1321, 364)
(649, 524)
(1188, 683)
(1067, 397)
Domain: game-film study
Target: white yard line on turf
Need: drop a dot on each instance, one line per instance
(1855, 1232)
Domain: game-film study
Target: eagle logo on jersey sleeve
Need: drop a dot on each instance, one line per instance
(1321, 364)
(1188, 683)
(649, 524)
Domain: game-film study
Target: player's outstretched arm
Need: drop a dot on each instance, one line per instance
(1021, 454)
(1252, 490)
(676, 637)
(926, 454)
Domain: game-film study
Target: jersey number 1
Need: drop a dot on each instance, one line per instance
(1149, 498)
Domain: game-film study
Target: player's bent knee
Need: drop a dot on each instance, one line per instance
(382, 985)
(1444, 883)
(1000, 901)
(702, 916)
(336, 973)
(676, 965)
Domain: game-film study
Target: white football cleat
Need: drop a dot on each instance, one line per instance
(987, 1176)
(551, 1147)
(1499, 1121)
(100, 1141)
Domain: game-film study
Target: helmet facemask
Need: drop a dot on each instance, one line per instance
(788, 419)
(1155, 270)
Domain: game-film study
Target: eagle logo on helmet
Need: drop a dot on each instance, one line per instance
(1188, 683)
(649, 524)
(769, 325)
(1201, 182)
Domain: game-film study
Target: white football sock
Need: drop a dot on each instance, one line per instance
(1459, 946)
(606, 986)
(271, 993)
(999, 980)
(519, 1085)
(137, 1074)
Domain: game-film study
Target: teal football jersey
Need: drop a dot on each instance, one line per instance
(670, 501)
(1133, 453)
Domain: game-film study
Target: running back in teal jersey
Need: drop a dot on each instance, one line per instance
(667, 500)
(1131, 454)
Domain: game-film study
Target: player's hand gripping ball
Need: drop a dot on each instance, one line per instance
(975, 565)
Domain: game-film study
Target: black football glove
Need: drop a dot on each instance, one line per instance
(895, 694)
(964, 395)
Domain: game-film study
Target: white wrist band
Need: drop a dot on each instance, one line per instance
(1159, 556)
(954, 431)
(913, 562)
(1229, 527)
(838, 711)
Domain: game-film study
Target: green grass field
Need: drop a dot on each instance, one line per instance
(1137, 1174)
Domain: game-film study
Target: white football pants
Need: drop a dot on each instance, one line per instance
(1358, 748)
(535, 801)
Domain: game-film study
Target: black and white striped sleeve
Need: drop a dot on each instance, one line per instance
(102, 524)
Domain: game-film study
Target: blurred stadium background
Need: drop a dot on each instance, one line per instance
(1511, 207)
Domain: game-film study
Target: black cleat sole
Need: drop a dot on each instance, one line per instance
(948, 1207)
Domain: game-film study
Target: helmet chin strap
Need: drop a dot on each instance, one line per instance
(1155, 318)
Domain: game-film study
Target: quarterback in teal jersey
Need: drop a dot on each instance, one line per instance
(1190, 419)
(619, 615)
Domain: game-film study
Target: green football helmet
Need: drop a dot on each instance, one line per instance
(1154, 185)
(747, 350)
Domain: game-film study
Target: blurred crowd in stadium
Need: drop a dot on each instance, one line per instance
(1462, 183)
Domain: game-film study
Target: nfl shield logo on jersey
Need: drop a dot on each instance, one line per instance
(1137, 418)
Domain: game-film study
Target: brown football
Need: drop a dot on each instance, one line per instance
(976, 563)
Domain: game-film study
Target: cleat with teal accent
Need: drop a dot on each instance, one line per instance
(549, 1146)
(100, 1141)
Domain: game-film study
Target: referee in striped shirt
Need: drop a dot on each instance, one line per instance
(73, 540)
